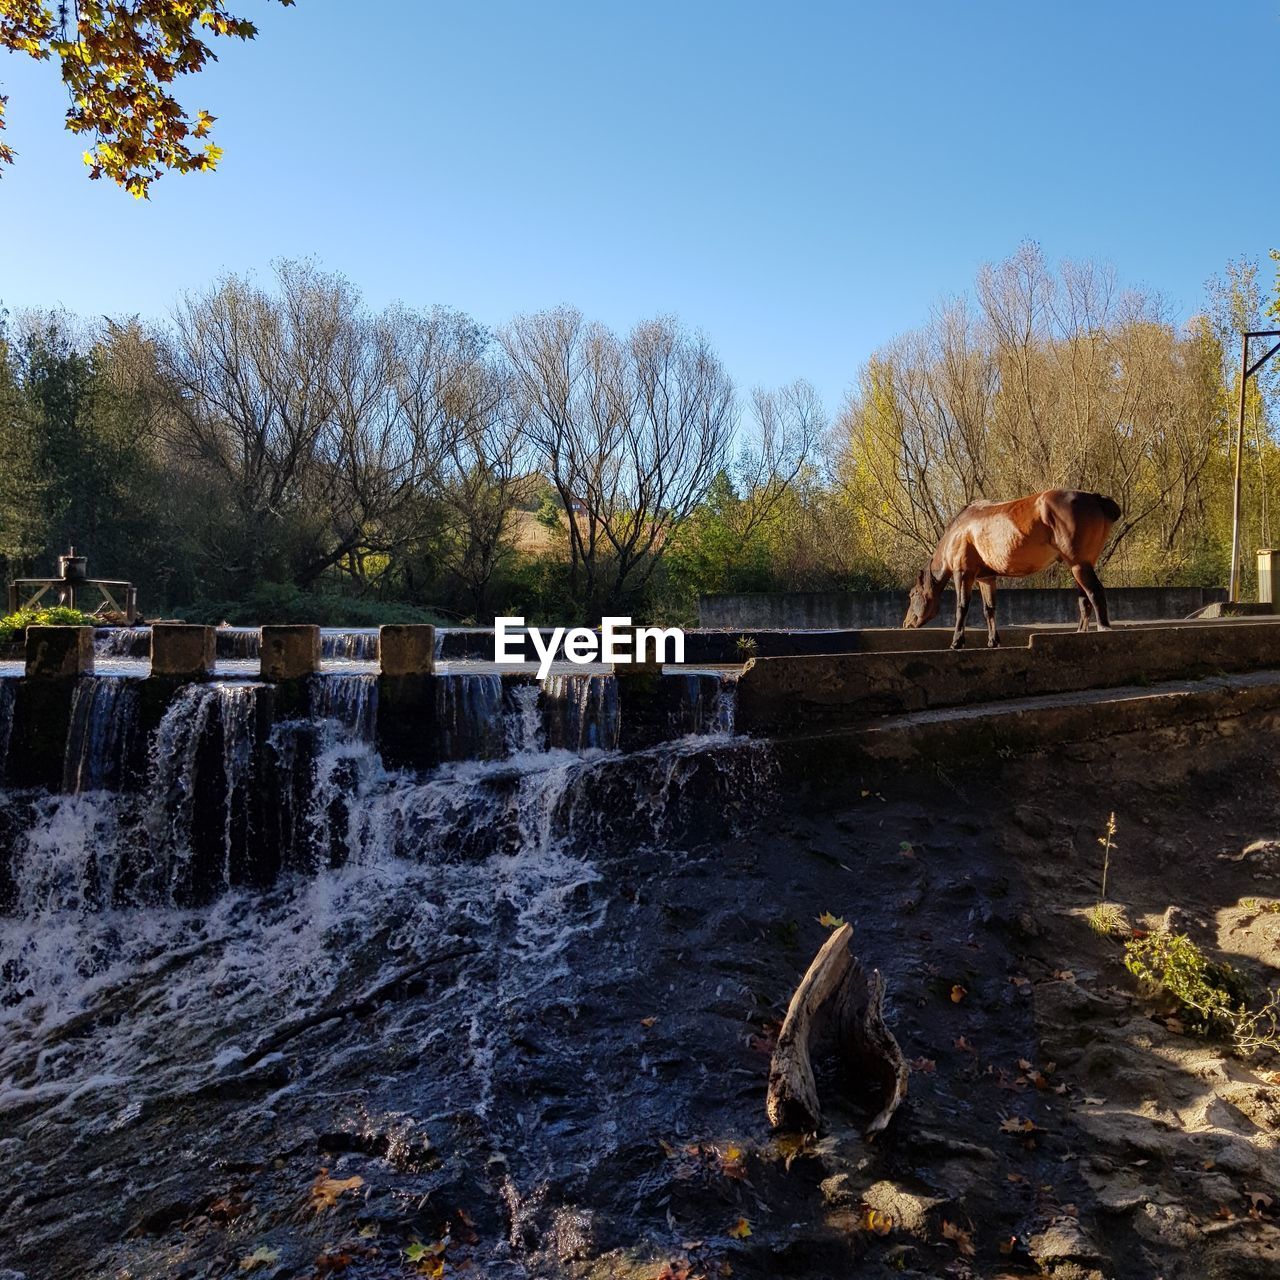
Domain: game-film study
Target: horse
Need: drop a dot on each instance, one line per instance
(990, 540)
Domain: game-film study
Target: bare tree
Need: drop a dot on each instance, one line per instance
(630, 432)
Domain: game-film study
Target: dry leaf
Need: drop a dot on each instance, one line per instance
(327, 1191)
(1017, 1124)
(958, 993)
(963, 1045)
(647, 1022)
(740, 1229)
(925, 1065)
(958, 1236)
(880, 1223)
(828, 921)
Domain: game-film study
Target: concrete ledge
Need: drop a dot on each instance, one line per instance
(790, 695)
(1078, 726)
(183, 649)
(54, 653)
(290, 652)
(407, 650)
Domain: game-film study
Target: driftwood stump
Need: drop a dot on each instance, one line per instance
(835, 996)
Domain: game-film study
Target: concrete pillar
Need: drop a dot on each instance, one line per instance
(54, 652)
(180, 649)
(407, 650)
(290, 652)
(637, 667)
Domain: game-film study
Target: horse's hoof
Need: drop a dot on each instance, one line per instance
(993, 644)
(957, 644)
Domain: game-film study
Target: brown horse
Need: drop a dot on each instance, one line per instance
(990, 540)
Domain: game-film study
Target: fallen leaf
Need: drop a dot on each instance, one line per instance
(262, 1256)
(647, 1022)
(740, 1229)
(1017, 1124)
(927, 1066)
(963, 1045)
(827, 920)
(1009, 1245)
(1064, 975)
(958, 993)
(905, 850)
(418, 1252)
(327, 1191)
(880, 1223)
(962, 1239)
(1091, 1101)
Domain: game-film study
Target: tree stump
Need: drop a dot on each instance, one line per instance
(835, 997)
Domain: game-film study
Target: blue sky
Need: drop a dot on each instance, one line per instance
(801, 181)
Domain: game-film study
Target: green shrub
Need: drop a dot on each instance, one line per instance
(1213, 995)
(12, 626)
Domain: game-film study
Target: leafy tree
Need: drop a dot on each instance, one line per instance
(118, 62)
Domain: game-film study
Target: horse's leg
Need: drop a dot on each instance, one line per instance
(988, 590)
(964, 587)
(1088, 582)
(1083, 601)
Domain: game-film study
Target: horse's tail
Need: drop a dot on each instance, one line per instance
(1110, 507)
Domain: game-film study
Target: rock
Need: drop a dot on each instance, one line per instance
(1061, 1241)
(1167, 1225)
(838, 1191)
(1035, 822)
(909, 1210)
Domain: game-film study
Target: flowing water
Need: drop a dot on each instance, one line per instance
(195, 898)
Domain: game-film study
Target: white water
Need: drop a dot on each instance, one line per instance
(112, 991)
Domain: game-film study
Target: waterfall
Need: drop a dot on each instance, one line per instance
(524, 731)
(351, 700)
(359, 646)
(104, 712)
(7, 691)
(581, 711)
(469, 717)
(122, 642)
(241, 643)
(706, 702)
(200, 795)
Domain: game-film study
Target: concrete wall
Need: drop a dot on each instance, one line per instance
(1015, 606)
(797, 695)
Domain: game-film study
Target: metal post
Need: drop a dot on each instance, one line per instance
(1247, 371)
(1233, 591)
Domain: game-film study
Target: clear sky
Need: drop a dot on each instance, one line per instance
(800, 180)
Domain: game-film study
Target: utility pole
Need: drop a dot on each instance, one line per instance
(1247, 371)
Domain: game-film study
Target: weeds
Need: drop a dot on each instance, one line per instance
(1105, 917)
(1213, 994)
(12, 626)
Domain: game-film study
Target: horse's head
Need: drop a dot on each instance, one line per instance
(925, 600)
